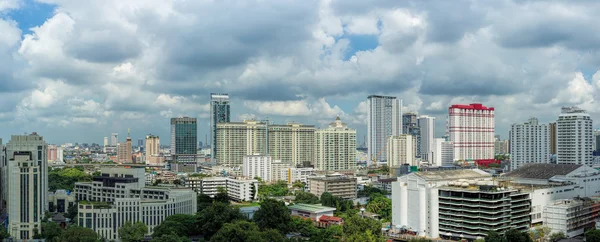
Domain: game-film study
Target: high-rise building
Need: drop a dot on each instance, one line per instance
(552, 138)
(152, 149)
(335, 147)
(27, 183)
(114, 139)
(52, 153)
(129, 149)
(184, 137)
(530, 143)
(427, 129)
(3, 177)
(140, 143)
(400, 150)
(501, 147)
(122, 152)
(383, 120)
(257, 165)
(596, 138)
(410, 125)
(471, 129)
(289, 143)
(219, 113)
(574, 137)
(105, 141)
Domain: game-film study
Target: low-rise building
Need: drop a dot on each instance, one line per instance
(61, 200)
(338, 185)
(279, 170)
(237, 188)
(312, 211)
(299, 174)
(572, 216)
(257, 165)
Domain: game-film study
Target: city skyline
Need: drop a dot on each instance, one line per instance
(340, 52)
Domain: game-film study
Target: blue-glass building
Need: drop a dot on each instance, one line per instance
(184, 139)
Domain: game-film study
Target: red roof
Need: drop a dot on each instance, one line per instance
(326, 218)
(474, 106)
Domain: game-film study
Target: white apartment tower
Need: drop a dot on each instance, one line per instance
(442, 152)
(384, 119)
(529, 143)
(335, 147)
(27, 183)
(114, 139)
(257, 166)
(471, 129)
(427, 128)
(574, 137)
(400, 150)
(152, 149)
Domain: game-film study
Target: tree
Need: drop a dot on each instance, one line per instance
(203, 201)
(273, 214)
(221, 195)
(211, 219)
(540, 233)
(514, 235)
(330, 234)
(368, 191)
(51, 231)
(72, 212)
(51, 208)
(132, 232)
(557, 236)
(592, 235)
(303, 226)
(493, 236)
(367, 236)
(355, 224)
(381, 205)
(299, 184)
(3, 233)
(339, 203)
(280, 188)
(169, 238)
(178, 224)
(241, 231)
(306, 197)
(79, 234)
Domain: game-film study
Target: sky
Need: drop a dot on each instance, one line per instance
(76, 71)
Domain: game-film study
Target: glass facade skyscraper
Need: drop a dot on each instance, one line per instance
(184, 138)
(219, 113)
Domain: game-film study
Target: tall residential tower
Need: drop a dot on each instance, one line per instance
(219, 113)
(471, 129)
(427, 130)
(574, 137)
(384, 119)
(335, 147)
(529, 143)
(184, 140)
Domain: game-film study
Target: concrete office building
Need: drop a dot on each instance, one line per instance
(184, 140)
(384, 119)
(400, 150)
(530, 143)
(572, 216)
(574, 137)
(26, 173)
(335, 147)
(120, 195)
(122, 153)
(336, 184)
(279, 170)
(552, 127)
(238, 189)
(61, 200)
(105, 141)
(427, 129)
(442, 152)
(501, 147)
(471, 129)
(114, 139)
(299, 174)
(219, 113)
(152, 150)
(257, 165)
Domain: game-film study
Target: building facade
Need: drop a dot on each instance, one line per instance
(292, 142)
(219, 113)
(184, 140)
(574, 137)
(530, 143)
(27, 184)
(257, 165)
(501, 147)
(335, 147)
(427, 129)
(400, 150)
(339, 186)
(572, 216)
(384, 119)
(552, 138)
(114, 139)
(279, 170)
(152, 149)
(299, 174)
(471, 129)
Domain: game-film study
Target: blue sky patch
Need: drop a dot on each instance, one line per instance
(32, 14)
(360, 43)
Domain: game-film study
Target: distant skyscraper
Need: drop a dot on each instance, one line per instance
(335, 147)
(140, 143)
(52, 153)
(574, 137)
(530, 143)
(219, 113)
(383, 120)
(105, 141)
(129, 149)
(553, 138)
(471, 129)
(409, 120)
(184, 139)
(597, 141)
(114, 139)
(27, 175)
(152, 149)
(3, 177)
(427, 129)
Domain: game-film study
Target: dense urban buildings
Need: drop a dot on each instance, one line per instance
(184, 140)
(257, 165)
(574, 137)
(25, 189)
(336, 184)
(238, 189)
(293, 143)
(114, 139)
(501, 147)
(219, 113)
(471, 129)
(427, 129)
(400, 150)
(384, 119)
(443, 152)
(529, 143)
(335, 147)
(410, 126)
(552, 138)
(152, 149)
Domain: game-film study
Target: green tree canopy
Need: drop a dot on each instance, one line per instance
(330, 234)
(557, 236)
(242, 231)
(51, 231)
(356, 224)
(221, 195)
(3, 233)
(592, 235)
(278, 189)
(493, 236)
(514, 235)
(133, 232)
(65, 178)
(381, 205)
(306, 197)
(273, 214)
(303, 226)
(170, 238)
(178, 224)
(72, 212)
(79, 234)
(339, 203)
(211, 219)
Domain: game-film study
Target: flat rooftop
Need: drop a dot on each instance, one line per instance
(311, 208)
(542, 171)
(453, 174)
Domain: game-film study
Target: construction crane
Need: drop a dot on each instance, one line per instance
(374, 159)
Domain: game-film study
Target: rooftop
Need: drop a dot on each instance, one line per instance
(542, 171)
(453, 174)
(312, 208)
(473, 106)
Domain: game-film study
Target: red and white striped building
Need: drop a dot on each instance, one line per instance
(471, 129)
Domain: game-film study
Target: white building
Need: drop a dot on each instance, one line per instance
(574, 137)
(384, 119)
(120, 195)
(447, 153)
(26, 172)
(299, 174)
(105, 141)
(442, 152)
(572, 216)
(471, 129)
(114, 139)
(335, 147)
(427, 128)
(279, 170)
(237, 189)
(530, 143)
(257, 166)
(400, 150)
